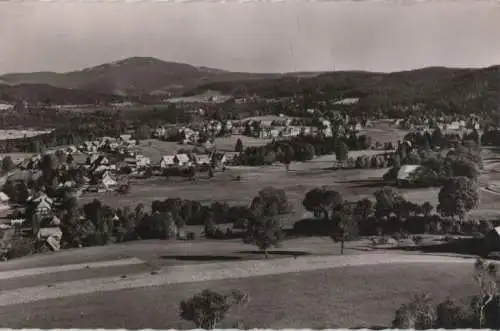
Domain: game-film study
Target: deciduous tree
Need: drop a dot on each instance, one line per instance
(457, 197)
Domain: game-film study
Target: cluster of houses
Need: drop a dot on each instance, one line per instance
(46, 227)
(193, 134)
(444, 124)
(123, 145)
(185, 160)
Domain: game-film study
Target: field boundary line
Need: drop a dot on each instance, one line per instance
(67, 267)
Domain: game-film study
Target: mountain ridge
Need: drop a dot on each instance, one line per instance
(136, 78)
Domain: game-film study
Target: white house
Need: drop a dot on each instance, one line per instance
(44, 207)
(275, 133)
(67, 184)
(39, 197)
(125, 137)
(52, 236)
(168, 161)
(17, 221)
(4, 106)
(142, 161)
(4, 198)
(160, 132)
(107, 182)
(183, 159)
(203, 159)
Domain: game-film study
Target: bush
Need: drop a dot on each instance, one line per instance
(20, 247)
(310, 227)
(454, 315)
(417, 239)
(98, 239)
(417, 314)
(205, 309)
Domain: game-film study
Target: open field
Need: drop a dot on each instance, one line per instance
(383, 132)
(155, 149)
(349, 296)
(18, 134)
(16, 157)
(353, 184)
(301, 178)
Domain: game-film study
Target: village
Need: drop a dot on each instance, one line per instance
(108, 165)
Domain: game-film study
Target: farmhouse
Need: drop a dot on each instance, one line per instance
(183, 159)
(107, 183)
(5, 106)
(142, 161)
(168, 161)
(51, 235)
(346, 101)
(67, 184)
(4, 202)
(4, 198)
(202, 159)
(43, 204)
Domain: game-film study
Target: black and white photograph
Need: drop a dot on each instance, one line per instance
(249, 165)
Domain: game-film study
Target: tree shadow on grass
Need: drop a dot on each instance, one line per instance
(374, 327)
(276, 252)
(464, 246)
(202, 258)
(372, 184)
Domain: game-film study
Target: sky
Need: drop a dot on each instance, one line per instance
(254, 37)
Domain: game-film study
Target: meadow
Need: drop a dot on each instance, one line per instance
(351, 296)
(353, 184)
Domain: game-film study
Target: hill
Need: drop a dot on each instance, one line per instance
(147, 79)
(46, 94)
(132, 77)
(451, 88)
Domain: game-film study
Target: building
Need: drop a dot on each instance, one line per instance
(203, 159)
(107, 183)
(5, 106)
(168, 161)
(183, 159)
(142, 161)
(4, 202)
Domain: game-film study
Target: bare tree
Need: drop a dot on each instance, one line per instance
(485, 274)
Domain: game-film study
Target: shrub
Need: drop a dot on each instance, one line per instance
(417, 314)
(19, 247)
(98, 239)
(417, 239)
(205, 309)
(454, 315)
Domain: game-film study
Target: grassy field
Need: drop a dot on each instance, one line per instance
(155, 149)
(353, 184)
(347, 296)
(383, 132)
(16, 157)
(301, 178)
(356, 296)
(18, 134)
